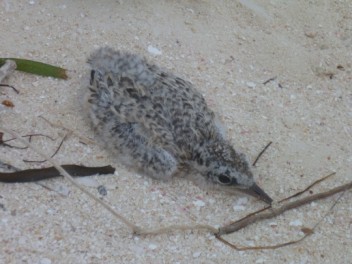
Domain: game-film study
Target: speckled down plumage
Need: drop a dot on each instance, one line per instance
(158, 123)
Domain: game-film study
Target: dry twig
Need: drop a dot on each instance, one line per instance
(270, 80)
(233, 227)
(4, 142)
(261, 153)
(85, 140)
(10, 86)
(308, 187)
(307, 231)
(53, 155)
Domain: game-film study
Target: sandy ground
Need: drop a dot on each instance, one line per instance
(227, 49)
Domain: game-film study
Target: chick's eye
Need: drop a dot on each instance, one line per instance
(224, 179)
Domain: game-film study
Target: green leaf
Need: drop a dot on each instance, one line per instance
(36, 67)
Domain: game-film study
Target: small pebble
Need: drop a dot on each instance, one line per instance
(50, 211)
(242, 200)
(199, 203)
(238, 207)
(251, 84)
(102, 190)
(197, 254)
(310, 34)
(152, 246)
(154, 50)
(296, 223)
(45, 261)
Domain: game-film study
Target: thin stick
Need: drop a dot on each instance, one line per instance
(3, 142)
(307, 188)
(132, 226)
(261, 153)
(285, 199)
(10, 86)
(53, 155)
(85, 140)
(259, 247)
(10, 146)
(30, 136)
(307, 233)
(233, 227)
(269, 80)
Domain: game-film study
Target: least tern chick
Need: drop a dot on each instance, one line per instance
(160, 124)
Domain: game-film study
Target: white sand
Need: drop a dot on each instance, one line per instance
(227, 49)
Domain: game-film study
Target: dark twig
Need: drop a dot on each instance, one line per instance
(33, 175)
(58, 148)
(10, 146)
(4, 142)
(56, 151)
(10, 86)
(261, 153)
(270, 80)
(30, 136)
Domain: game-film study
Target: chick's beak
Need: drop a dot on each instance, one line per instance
(257, 192)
